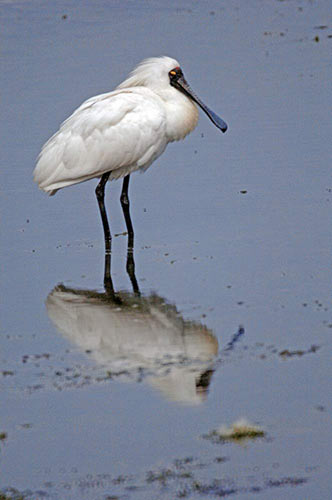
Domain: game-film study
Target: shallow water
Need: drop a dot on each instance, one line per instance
(232, 253)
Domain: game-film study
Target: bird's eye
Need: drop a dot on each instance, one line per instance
(174, 75)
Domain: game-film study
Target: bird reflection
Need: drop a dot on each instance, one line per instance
(141, 337)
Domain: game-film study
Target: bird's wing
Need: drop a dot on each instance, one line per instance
(117, 132)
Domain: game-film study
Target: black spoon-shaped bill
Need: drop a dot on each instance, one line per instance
(182, 85)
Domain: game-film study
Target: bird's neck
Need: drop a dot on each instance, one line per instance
(182, 115)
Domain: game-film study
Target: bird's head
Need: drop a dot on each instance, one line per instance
(158, 74)
(152, 73)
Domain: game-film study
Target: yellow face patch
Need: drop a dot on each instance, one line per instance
(172, 72)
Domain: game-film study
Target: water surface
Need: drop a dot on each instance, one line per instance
(232, 253)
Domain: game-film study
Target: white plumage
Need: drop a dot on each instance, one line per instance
(113, 134)
(118, 132)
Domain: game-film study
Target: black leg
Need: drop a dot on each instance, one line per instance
(130, 251)
(125, 208)
(124, 193)
(100, 193)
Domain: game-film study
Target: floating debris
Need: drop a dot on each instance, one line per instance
(235, 338)
(289, 354)
(241, 430)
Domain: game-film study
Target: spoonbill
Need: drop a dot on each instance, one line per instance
(111, 135)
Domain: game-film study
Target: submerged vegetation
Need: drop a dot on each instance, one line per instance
(18, 496)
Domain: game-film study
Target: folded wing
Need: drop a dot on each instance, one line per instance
(118, 132)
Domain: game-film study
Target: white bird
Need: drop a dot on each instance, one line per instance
(111, 135)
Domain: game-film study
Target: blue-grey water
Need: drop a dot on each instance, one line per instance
(233, 255)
